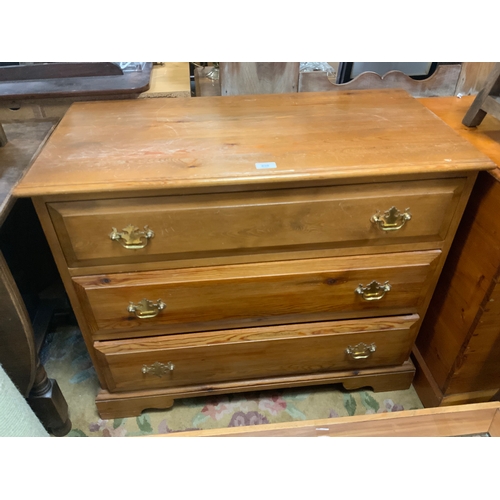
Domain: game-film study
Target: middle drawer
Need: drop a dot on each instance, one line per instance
(129, 305)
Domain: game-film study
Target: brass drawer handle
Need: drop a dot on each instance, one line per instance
(361, 350)
(392, 220)
(373, 291)
(131, 238)
(158, 369)
(146, 309)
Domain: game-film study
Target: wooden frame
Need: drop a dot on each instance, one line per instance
(463, 420)
(442, 82)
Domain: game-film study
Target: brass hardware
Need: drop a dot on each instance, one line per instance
(361, 350)
(158, 369)
(131, 238)
(146, 309)
(392, 220)
(373, 291)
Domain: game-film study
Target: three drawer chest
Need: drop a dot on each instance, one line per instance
(226, 244)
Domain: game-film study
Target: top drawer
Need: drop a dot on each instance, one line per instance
(240, 224)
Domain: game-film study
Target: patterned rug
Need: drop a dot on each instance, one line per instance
(66, 359)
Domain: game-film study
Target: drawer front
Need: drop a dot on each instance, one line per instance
(210, 357)
(237, 225)
(216, 298)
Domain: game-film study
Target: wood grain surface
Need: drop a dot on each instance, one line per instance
(244, 354)
(465, 420)
(256, 294)
(132, 403)
(261, 222)
(152, 144)
(485, 138)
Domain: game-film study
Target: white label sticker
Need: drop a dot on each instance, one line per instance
(269, 164)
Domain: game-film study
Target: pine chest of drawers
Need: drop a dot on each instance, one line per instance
(224, 244)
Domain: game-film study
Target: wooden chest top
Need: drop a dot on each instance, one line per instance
(240, 140)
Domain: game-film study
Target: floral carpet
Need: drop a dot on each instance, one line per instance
(66, 359)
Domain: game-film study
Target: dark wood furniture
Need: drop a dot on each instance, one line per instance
(44, 91)
(18, 346)
(163, 80)
(230, 244)
(457, 352)
(74, 80)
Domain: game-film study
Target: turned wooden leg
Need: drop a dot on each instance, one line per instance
(48, 403)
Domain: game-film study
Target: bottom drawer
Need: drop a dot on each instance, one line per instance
(245, 354)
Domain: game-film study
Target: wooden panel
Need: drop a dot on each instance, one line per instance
(252, 353)
(427, 389)
(486, 138)
(169, 79)
(464, 420)
(494, 429)
(151, 144)
(253, 294)
(468, 397)
(258, 77)
(461, 313)
(473, 77)
(478, 368)
(465, 284)
(442, 83)
(225, 225)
